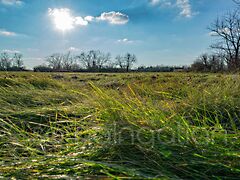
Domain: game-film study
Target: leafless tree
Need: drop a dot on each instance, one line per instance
(17, 60)
(94, 59)
(227, 30)
(68, 62)
(55, 61)
(5, 61)
(130, 59)
(120, 61)
(208, 63)
(126, 62)
(62, 62)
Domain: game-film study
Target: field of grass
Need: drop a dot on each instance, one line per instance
(166, 125)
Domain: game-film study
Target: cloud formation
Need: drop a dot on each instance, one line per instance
(64, 19)
(3, 32)
(114, 18)
(125, 41)
(186, 9)
(10, 51)
(73, 49)
(184, 6)
(11, 2)
(161, 2)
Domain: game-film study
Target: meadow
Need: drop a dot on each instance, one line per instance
(129, 125)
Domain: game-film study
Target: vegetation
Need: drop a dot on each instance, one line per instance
(140, 125)
(92, 61)
(226, 56)
(10, 62)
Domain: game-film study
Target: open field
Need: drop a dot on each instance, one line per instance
(166, 125)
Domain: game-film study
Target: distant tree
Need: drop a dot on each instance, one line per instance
(120, 61)
(61, 62)
(103, 60)
(94, 60)
(5, 61)
(227, 29)
(130, 59)
(55, 61)
(17, 60)
(208, 63)
(126, 62)
(11, 62)
(68, 62)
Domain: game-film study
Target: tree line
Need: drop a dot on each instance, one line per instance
(226, 48)
(11, 62)
(91, 61)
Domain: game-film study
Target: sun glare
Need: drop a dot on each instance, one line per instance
(62, 18)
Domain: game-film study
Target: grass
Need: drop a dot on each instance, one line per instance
(166, 125)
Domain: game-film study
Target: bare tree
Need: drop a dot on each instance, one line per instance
(17, 60)
(68, 62)
(5, 61)
(126, 62)
(103, 60)
(120, 61)
(130, 59)
(62, 62)
(55, 61)
(208, 63)
(94, 59)
(83, 59)
(227, 29)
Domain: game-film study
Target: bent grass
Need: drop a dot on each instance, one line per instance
(171, 127)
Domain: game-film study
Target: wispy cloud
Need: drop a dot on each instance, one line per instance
(183, 5)
(12, 2)
(73, 49)
(4, 32)
(160, 2)
(125, 41)
(9, 51)
(186, 9)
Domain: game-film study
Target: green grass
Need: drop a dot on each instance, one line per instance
(166, 125)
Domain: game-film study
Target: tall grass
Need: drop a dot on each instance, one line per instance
(178, 126)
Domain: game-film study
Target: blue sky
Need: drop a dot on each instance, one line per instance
(168, 32)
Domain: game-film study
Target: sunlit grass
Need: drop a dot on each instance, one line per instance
(120, 125)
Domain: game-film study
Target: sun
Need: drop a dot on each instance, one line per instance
(62, 19)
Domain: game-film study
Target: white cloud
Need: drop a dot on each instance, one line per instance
(186, 9)
(89, 18)
(154, 2)
(184, 6)
(73, 49)
(7, 33)
(113, 17)
(12, 2)
(9, 51)
(160, 2)
(64, 19)
(125, 41)
(80, 21)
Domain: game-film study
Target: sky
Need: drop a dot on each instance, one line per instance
(158, 32)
